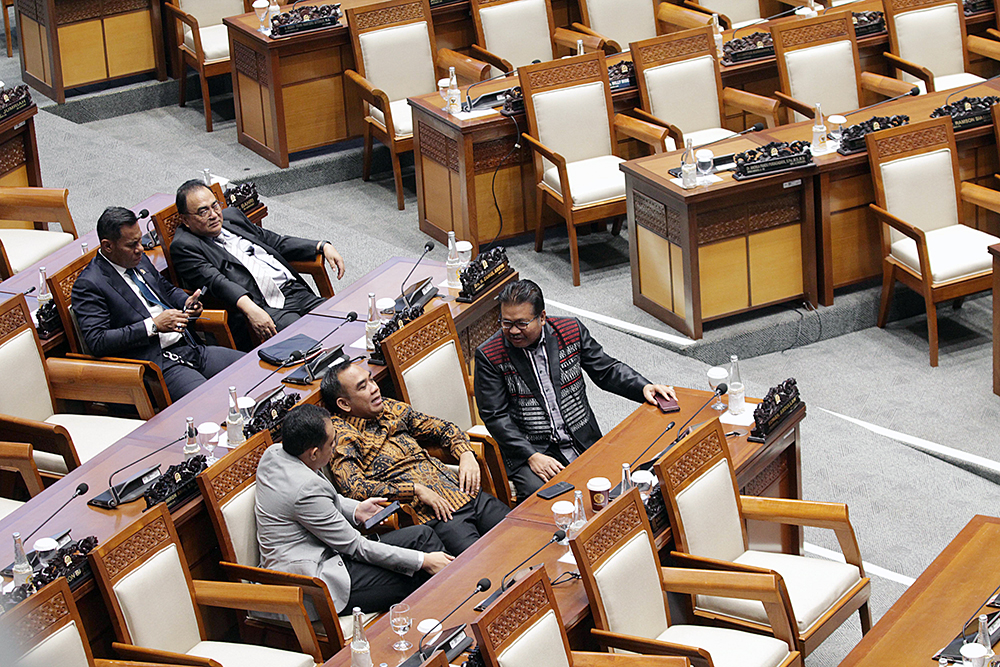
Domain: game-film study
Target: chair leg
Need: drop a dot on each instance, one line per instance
(539, 225)
(397, 176)
(181, 74)
(957, 303)
(207, 101)
(888, 285)
(866, 618)
(6, 29)
(616, 226)
(366, 160)
(574, 252)
(932, 329)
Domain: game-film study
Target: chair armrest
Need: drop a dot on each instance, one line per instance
(216, 322)
(556, 159)
(983, 47)
(912, 69)
(610, 45)
(642, 645)
(102, 662)
(589, 659)
(465, 67)
(682, 16)
(672, 130)
(724, 20)
(75, 379)
(190, 21)
(152, 376)
(758, 105)
(374, 97)
(493, 59)
(791, 103)
(142, 654)
(488, 452)
(43, 437)
(706, 563)
(568, 38)
(993, 32)
(886, 85)
(17, 456)
(316, 268)
(654, 135)
(900, 225)
(980, 196)
(285, 600)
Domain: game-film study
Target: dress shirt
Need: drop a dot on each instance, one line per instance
(167, 338)
(239, 247)
(383, 457)
(540, 365)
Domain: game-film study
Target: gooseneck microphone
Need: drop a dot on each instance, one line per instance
(558, 536)
(115, 500)
(402, 286)
(81, 489)
(962, 90)
(756, 127)
(912, 92)
(468, 104)
(418, 657)
(719, 391)
(669, 426)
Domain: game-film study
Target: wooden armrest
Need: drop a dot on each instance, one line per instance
(556, 159)
(899, 225)
(17, 456)
(142, 654)
(610, 45)
(912, 69)
(644, 646)
(493, 59)
(488, 451)
(153, 376)
(192, 23)
(724, 20)
(465, 67)
(40, 205)
(589, 659)
(980, 196)
(216, 322)
(983, 47)
(705, 563)
(886, 85)
(682, 16)
(759, 105)
(102, 662)
(75, 379)
(285, 600)
(43, 437)
(568, 38)
(672, 130)
(993, 32)
(654, 135)
(316, 267)
(369, 93)
(790, 102)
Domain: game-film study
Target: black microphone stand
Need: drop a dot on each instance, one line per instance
(402, 286)
(81, 489)
(912, 92)
(115, 500)
(719, 391)
(558, 536)
(418, 657)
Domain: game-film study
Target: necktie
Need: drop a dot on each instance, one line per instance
(260, 272)
(150, 296)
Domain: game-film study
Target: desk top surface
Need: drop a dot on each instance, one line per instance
(931, 611)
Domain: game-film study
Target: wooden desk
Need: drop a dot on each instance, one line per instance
(19, 150)
(995, 251)
(931, 611)
(72, 43)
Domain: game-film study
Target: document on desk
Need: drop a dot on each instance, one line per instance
(745, 418)
(480, 113)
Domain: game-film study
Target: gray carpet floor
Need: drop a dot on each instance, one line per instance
(118, 147)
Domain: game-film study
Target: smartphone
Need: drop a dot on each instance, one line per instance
(667, 405)
(382, 515)
(198, 300)
(556, 489)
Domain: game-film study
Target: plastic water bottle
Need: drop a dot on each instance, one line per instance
(737, 393)
(234, 422)
(454, 95)
(819, 133)
(372, 324)
(361, 653)
(579, 519)
(191, 446)
(453, 264)
(23, 574)
(689, 170)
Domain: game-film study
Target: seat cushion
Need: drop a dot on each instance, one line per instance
(402, 117)
(63, 647)
(7, 506)
(590, 181)
(24, 247)
(729, 648)
(248, 655)
(957, 251)
(214, 40)
(814, 586)
(949, 81)
(698, 108)
(824, 74)
(517, 31)
(90, 434)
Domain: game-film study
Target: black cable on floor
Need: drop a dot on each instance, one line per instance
(493, 182)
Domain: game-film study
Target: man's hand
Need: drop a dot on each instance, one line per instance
(650, 391)
(171, 320)
(334, 259)
(435, 561)
(260, 321)
(366, 509)
(468, 473)
(544, 466)
(442, 508)
(193, 305)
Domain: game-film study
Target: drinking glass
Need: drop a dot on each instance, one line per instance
(716, 376)
(837, 129)
(400, 620)
(208, 438)
(260, 9)
(443, 89)
(562, 510)
(704, 159)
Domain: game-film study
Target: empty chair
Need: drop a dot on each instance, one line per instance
(16, 457)
(26, 238)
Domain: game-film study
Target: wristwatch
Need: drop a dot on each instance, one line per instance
(155, 329)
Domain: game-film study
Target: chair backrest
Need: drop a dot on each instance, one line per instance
(211, 12)
(523, 627)
(818, 62)
(737, 11)
(428, 368)
(702, 498)
(568, 103)
(17, 457)
(61, 286)
(229, 489)
(45, 629)
(144, 562)
(165, 222)
(21, 357)
(394, 46)
(930, 33)
(617, 559)
(37, 205)
(519, 31)
(679, 79)
(622, 21)
(915, 170)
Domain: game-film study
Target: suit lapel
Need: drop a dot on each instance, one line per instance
(552, 354)
(117, 281)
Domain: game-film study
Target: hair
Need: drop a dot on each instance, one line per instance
(182, 193)
(109, 225)
(523, 291)
(304, 428)
(330, 389)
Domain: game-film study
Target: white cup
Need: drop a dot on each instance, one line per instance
(246, 406)
(207, 432)
(428, 624)
(703, 158)
(974, 655)
(643, 480)
(599, 488)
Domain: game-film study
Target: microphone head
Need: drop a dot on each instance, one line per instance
(484, 585)
(914, 91)
(82, 488)
(144, 213)
(757, 127)
(295, 355)
(352, 316)
(559, 535)
(722, 388)
(429, 246)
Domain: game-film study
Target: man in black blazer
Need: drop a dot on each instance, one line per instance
(126, 309)
(243, 265)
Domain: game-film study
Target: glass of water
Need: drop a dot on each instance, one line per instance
(562, 511)
(704, 159)
(208, 438)
(400, 620)
(716, 376)
(837, 128)
(260, 9)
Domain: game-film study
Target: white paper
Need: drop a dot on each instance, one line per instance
(568, 559)
(702, 180)
(359, 344)
(469, 115)
(743, 419)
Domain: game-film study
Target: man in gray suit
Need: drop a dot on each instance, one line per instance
(305, 527)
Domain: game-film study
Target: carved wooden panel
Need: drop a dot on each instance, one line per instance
(816, 32)
(901, 5)
(250, 64)
(378, 18)
(902, 143)
(32, 9)
(12, 155)
(777, 469)
(240, 471)
(13, 319)
(675, 49)
(774, 212)
(136, 547)
(612, 533)
(565, 75)
(124, 6)
(650, 214)
(723, 223)
(73, 11)
(438, 147)
(694, 459)
(488, 155)
(65, 285)
(39, 620)
(517, 614)
(412, 342)
(477, 333)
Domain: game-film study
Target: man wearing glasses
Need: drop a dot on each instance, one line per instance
(530, 389)
(243, 265)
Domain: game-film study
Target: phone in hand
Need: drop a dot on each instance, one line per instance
(382, 515)
(667, 405)
(197, 302)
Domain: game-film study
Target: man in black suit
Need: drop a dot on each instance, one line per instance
(126, 309)
(243, 265)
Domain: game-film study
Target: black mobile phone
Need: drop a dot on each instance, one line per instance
(557, 489)
(382, 515)
(198, 300)
(667, 405)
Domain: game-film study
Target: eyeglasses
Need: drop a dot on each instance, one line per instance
(507, 325)
(204, 211)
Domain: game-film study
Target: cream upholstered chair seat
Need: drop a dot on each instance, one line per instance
(233, 655)
(540, 644)
(951, 252)
(90, 434)
(592, 180)
(24, 247)
(824, 74)
(402, 117)
(62, 647)
(704, 136)
(214, 41)
(517, 32)
(729, 648)
(949, 81)
(7, 506)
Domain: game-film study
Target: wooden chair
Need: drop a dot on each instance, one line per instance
(397, 57)
(573, 132)
(28, 406)
(619, 22)
(733, 14)
(202, 42)
(428, 369)
(707, 516)
(686, 61)
(818, 63)
(929, 45)
(144, 562)
(516, 32)
(7, 5)
(46, 629)
(620, 567)
(920, 205)
(523, 628)
(21, 247)
(229, 490)
(18, 458)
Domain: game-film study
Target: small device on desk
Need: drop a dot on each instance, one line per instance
(667, 405)
(130, 490)
(557, 489)
(310, 371)
(416, 295)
